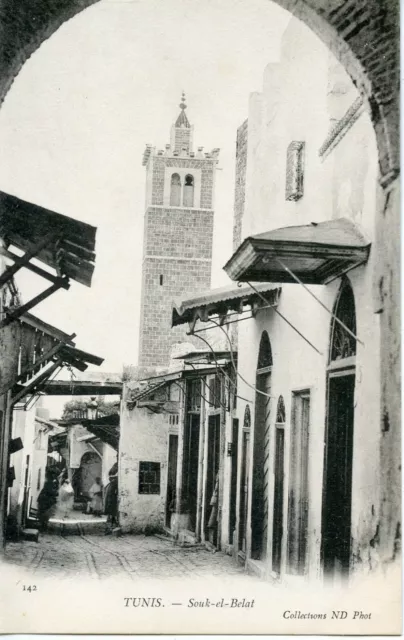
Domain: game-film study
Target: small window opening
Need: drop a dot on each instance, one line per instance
(189, 191)
(161, 279)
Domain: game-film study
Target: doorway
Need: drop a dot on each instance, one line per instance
(244, 482)
(339, 433)
(233, 481)
(190, 476)
(279, 482)
(91, 468)
(260, 474)
(212, 480)
(171, 477)
(336, 535)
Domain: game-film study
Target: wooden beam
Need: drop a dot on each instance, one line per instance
(19, 311)
(23, 261)
(47, 356)
(34, 384)
(28, 265)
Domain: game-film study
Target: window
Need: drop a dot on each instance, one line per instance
(38, 483)
(189, 191)
(298, 484)
(175, 193)
(161, 279)
(343, 344)
(149, 477)
(214, 392)
(294, 171)
(194, 398)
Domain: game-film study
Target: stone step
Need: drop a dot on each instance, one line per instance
(30, 534)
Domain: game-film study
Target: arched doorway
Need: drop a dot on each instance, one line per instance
(279, 475)
(90, 468)
(260, 475)
(338, 453)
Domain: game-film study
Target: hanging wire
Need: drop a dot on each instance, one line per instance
(333, 315)
(234, 384)
(212, 404)
(267, 395)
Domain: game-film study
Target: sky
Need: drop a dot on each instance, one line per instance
(78, 116)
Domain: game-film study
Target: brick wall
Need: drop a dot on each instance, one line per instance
(180, 277)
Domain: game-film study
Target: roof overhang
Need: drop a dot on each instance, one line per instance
(220, 302)
(105, 428)
(314, 254)
(61, 243)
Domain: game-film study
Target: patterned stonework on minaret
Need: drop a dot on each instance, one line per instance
(178, 235)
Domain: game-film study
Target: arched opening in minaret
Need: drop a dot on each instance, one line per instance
(189, 191)
(175, 193)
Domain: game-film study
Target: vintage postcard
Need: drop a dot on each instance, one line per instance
(200, 317)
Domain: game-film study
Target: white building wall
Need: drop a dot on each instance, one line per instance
(143, 438)
(295, 105)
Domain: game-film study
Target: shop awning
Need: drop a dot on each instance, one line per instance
(220, 302)
(105, 428)
(314, 254)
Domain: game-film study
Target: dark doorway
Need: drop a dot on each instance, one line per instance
(279, 481)
(244, 482)
(259, 507)
(277, 532)
(190, 468)
(337, 497)
(233, 481)
(260, 472)
(212, 496)
(171, 477)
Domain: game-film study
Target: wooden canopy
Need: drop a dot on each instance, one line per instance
(314, 254)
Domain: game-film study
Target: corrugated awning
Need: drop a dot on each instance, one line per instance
(220, 302)
(314, 254)
(70, 246)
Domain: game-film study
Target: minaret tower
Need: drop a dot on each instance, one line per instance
(178, 235)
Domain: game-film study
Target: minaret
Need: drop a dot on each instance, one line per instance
(178, 235)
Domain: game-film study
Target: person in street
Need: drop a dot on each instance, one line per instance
(95, 504)
(111, 499)
(47, 498)
(65, 499)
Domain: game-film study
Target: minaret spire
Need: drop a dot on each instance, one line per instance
(182, 120)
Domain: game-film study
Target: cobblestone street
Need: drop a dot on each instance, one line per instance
(101, 557)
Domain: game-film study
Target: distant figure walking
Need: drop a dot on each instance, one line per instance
(111, 499)
(66, 499)
(47, 498)
(95, 504)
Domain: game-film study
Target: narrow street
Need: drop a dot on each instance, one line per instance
(62, 554)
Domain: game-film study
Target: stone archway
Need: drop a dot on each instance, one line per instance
(364, 36)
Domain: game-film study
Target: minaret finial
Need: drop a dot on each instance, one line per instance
(182, 103)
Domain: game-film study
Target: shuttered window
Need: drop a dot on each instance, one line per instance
(298, 484)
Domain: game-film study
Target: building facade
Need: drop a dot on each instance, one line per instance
(308, 448)
(178, 234)
(308, 501)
